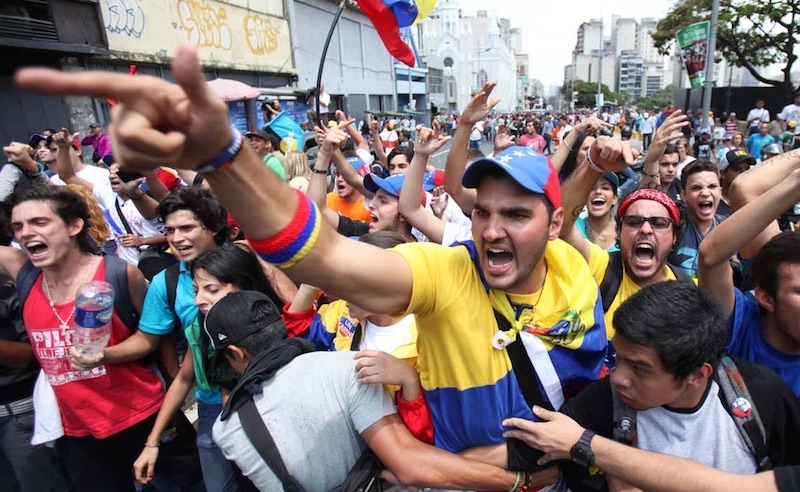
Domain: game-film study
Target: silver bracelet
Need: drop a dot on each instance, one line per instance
(592, 164)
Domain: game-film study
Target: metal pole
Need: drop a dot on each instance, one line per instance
(600, 82)
(712, 47)
(324, 54)
(571, 94)
(410, 93)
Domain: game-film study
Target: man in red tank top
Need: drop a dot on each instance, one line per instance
(107, 406)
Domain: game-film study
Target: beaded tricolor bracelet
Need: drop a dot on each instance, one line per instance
(286, 248)
(226, 156)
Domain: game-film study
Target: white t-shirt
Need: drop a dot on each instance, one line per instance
(563, 132)
(387, 338)
(648, 124)
(98, 176)
(138, 224)
(324, 101)
(316, 425)
(760, 115)
(477, 131)
(790, 112)
(708, 435)
(683, 164)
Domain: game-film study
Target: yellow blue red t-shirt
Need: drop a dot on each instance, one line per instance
(470, 386)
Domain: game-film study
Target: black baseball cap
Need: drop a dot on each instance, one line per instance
(235, 317)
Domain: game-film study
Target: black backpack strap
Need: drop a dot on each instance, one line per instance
(26, 277)
(742, 410)
(122, 216)
(680, 274)
(356, 338)
(171, 275)
(116, 271)
(523, 368)
(612, 279)
(258, 434)
(624, 419)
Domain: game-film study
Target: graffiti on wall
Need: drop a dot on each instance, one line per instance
(261, 34)
(123, 17)
(204, 24)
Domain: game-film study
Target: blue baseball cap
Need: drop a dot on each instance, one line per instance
(360, 166)
(433, 179)
(391, 185)
(528, 168)
(613, 179)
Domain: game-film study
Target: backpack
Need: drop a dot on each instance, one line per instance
(734, 396)
(116, 273)
(612, 279)
(171, 274)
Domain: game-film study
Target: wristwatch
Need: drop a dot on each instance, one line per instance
(581, 452)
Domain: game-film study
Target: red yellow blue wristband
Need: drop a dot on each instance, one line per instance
(286, 248)
(225, 156)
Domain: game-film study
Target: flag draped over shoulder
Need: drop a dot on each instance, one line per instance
(388, 16)
(288, 131)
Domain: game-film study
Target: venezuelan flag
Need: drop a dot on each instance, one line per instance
(388, 16)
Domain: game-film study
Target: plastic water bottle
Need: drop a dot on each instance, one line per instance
(94, 305)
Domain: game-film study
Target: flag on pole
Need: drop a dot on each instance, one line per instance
(288, 131)
(388, 16)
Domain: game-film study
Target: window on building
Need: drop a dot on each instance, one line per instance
(482, 78)
(451, 87)
(435, 80)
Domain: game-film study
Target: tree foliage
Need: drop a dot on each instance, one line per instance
(751, 33)
(658, 100)
(587, 92)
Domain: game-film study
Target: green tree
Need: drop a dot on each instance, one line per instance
(658, 100)
(751, 34)
(586, 93)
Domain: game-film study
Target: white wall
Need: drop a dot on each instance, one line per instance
(357, 61)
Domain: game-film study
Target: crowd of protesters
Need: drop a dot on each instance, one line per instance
(493, 325)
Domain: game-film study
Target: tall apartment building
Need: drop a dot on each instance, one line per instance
(624, 34)
(590, 37)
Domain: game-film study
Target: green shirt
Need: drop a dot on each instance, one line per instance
(274, 165)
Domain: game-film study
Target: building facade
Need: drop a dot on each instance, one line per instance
(359, 73)
(473, 50)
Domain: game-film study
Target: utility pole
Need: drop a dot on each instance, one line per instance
(712, 47)
(600, 83)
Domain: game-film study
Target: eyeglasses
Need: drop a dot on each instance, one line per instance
(636, 221)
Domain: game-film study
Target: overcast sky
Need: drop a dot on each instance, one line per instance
(549, 28)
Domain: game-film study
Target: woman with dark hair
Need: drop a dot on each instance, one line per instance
(216, 273)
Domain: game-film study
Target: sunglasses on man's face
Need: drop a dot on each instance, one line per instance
(636, 221)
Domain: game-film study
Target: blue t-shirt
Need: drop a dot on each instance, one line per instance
(685, 254)
(158, 317)
(756, 142)
(746, 341)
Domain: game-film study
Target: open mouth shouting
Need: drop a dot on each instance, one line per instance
(373, 222)
(498, 260)
(705, 207)
(644, 255)
(37, 250)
